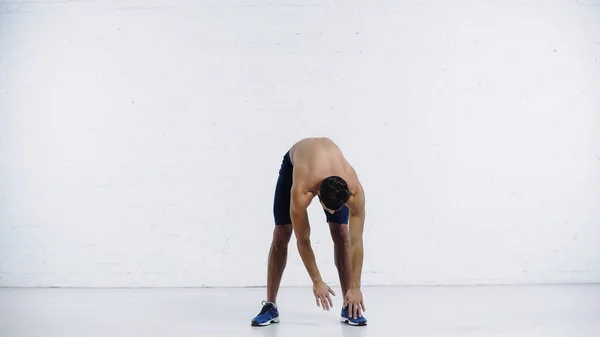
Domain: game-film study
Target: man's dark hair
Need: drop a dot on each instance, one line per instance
(334, 192)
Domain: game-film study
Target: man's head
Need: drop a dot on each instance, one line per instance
(334, 193)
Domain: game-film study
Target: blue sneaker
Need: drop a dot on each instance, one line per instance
(358, 321)
(269, 314)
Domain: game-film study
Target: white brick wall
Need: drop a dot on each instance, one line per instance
(140, 140)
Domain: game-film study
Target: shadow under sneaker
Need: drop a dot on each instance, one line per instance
(268, 314)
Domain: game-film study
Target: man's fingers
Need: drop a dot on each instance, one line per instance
(362, 304)
(331, 291)
(330, 301)
(318, 305)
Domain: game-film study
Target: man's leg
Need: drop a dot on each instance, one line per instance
(338, 225)
(283, 228)
(279, 244)
(277, 260)
(339, 234)
(276, 265)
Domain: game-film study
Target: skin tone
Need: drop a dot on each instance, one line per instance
(315, 159)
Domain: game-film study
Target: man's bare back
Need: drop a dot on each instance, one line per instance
(319, 158)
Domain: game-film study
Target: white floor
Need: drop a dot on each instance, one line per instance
(568, 311)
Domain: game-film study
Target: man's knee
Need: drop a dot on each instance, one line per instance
(339, 233)
(282, 235)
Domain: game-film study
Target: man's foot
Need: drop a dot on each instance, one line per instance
(358, 321)
(269, 314)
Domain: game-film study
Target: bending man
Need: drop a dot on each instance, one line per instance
(317, 167)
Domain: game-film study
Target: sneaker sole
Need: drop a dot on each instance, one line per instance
(349, 322)
(274, 320)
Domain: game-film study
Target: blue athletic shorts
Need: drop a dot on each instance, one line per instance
(281, 204)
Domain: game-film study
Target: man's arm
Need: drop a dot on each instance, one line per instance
(353, 298)
(299, 203)
(356, 227)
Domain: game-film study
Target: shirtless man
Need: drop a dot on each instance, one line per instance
(316, 167)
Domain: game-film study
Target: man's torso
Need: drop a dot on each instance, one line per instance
(322, 158)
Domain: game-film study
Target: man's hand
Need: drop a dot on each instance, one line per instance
(355, 303)
(322, 291)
